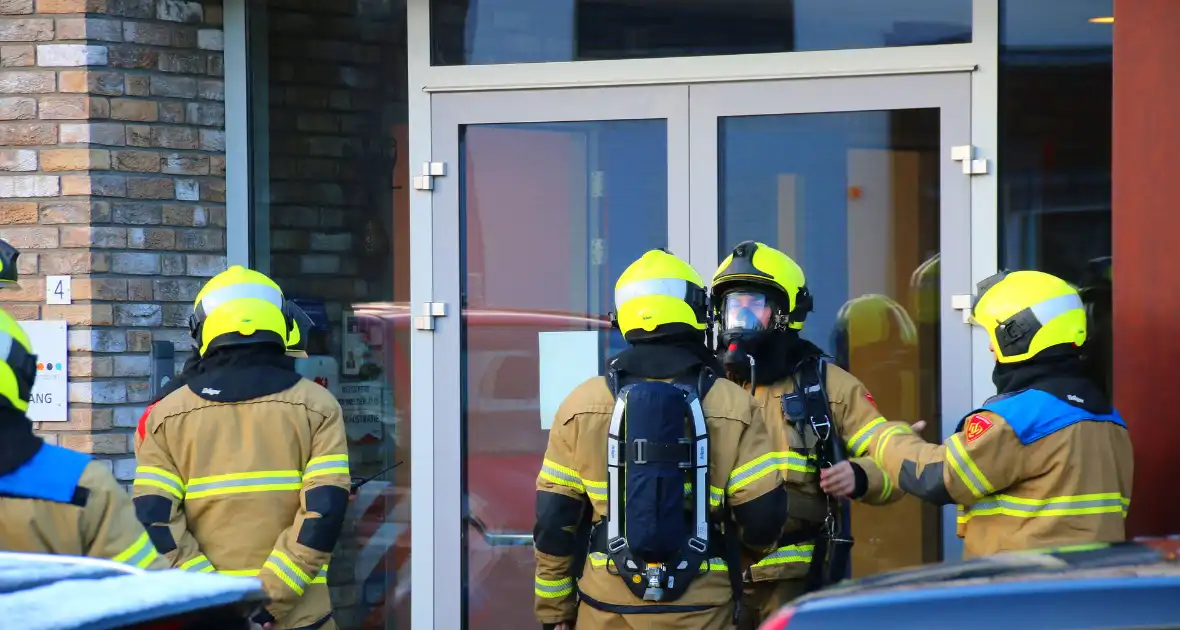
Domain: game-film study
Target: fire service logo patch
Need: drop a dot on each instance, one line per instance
(976, 427)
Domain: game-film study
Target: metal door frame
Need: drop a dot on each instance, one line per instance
(449, 112)
(951, 94)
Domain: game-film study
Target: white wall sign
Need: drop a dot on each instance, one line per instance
(51, 389)
(57, 290)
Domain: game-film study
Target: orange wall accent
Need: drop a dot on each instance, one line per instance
(1146, 273)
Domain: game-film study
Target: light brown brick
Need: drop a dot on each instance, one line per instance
(68, 263)
(99, 289)
(71, 6)
(18, 108)
(24, 312)
(101, 444)
(28, 134)
(29, 290)
(136, 161)
(66, 211)
(75, 185)
(134, 109)
(72, 81)
(17, 56)
(30, 237)
(14, 212)
(80, 314)
(64, 107)
(75, 159)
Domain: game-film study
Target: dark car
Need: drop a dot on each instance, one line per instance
(1086, 587)
(43, 592)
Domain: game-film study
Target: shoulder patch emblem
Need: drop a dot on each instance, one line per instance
(142, 428)
(976, 427)
(869, 397)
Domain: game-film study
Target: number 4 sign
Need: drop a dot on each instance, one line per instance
(57, 290)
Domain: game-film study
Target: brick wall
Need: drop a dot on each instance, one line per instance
(112, 171)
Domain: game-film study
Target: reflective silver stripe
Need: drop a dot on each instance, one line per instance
(275, 561)
(999, 505)
(201, 566)
(1051, 308)
(554, 587)
(978, 487)
(561, 474)
(756, 470)
(671, 287)
(326, 465)
(237, 483)
(793, 553)
(143, 556)
(222, 296)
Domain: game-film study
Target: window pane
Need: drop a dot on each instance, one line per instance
(475, 32)
(332, 223)
(552, 214)
(854, 199)
(1055, 151)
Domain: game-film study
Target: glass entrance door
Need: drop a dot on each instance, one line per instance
(853, 178)
(547, 196)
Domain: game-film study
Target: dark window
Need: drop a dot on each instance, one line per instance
(1055, 147)
(480, 32)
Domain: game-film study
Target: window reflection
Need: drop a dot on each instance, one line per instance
(854, 199)
(332, 229)
(1055, 151)
(474, 32)
(552, 213)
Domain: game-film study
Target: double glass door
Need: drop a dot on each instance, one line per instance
(547, 195)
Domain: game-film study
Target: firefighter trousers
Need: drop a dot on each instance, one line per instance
(719, 618)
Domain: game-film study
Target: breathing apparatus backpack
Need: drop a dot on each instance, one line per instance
(658, 532)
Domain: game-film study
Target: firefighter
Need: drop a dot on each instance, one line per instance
(632, 550)
(876, 335)
(52, 499)
(761, 301)
(244, 470)
(1045, 462)
(300, 332)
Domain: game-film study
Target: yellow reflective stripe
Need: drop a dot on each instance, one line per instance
(200, 564)
(151, 476)
(788, 555)
(287, 571)
(966, 469)
(715, 496)
(322, 577)
(240, 572)
(599, 560)
(556, 473)
(886, 486)
(552, 589)
(752, 471)
(1070, 505)
(326, 465)
(238, 483)
(798, 462)
(879, 452)
(595, 489)
(859, 442)
(140, 553)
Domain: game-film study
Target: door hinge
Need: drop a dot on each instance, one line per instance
(428, 313)
(597, 185)
(430, 170)
(965, 154)
(963, 304)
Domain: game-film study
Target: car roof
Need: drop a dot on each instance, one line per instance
(103, 595)
(1144, 557)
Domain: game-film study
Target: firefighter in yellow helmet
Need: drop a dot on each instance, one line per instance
(761, 301)
(52, 499)
(660, 481)
(244, 470)
(1045, 462)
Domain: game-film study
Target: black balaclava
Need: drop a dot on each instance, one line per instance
(1059, 370)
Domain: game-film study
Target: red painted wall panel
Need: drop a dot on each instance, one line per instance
(1146, 221)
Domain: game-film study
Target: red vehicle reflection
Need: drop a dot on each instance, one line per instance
(503, 445)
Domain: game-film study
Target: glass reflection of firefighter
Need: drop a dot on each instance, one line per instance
(875, 339)
(1096, 295)
(925, 298)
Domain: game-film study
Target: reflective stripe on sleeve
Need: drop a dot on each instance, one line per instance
(1072, 505)
(595, 489)
(752, 471)
(561, 475)
(326, 465)
(886, 435)
(151, 476)
(321, 578)
(200, 564)
(287, 571)
(140, 554)
(797, 462)
(791, 554)
(239, 483)
(966, 469)
(715, 496)
(859, 442)
(552, 589)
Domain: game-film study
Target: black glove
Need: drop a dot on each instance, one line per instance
(862, 481)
